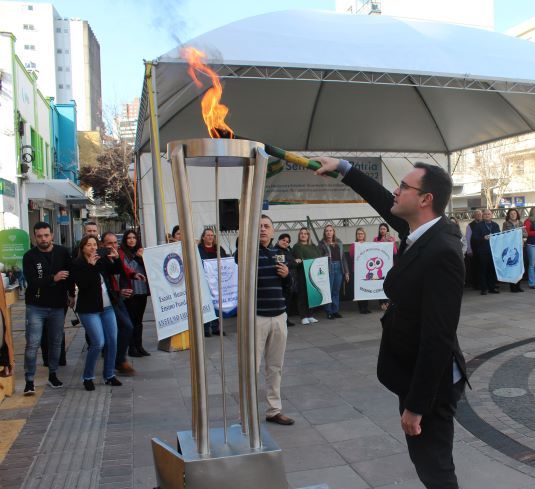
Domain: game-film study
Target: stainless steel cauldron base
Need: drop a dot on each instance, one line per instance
(233, 465)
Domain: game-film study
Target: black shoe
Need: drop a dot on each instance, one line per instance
(134, 352)
(337, 315)
(54, 382)
(89, 385)
(483, 292)
(29, 388)
(207, 334)
(113, 381)
(367, 311)
(330, 316)
(143, 352)
(217, 333)
(289, 323)
(519, 289)
(494, 291)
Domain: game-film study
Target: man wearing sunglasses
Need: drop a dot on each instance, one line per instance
(419, 358)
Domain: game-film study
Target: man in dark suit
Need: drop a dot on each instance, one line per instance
(481, 243)
(419, 358)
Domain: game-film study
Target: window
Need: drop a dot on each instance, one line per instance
(67, 68)
(67, 51)
(68, 86)
(30, 47)
(28, 27)
(60, 68)
(66, 31)
(30, 65)
(30, 7)
(58, 30)
(58, 51)
(60, 85)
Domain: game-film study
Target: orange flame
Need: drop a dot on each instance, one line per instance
(213, 112)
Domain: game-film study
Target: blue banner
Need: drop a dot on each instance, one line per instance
(507, 255)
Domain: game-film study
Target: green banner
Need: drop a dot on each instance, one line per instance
(13, 244)
(317, 279)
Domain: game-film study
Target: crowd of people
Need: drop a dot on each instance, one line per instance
(106, 286)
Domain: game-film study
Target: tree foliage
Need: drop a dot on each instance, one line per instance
(109, 179)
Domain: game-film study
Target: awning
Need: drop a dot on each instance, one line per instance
(62, 192)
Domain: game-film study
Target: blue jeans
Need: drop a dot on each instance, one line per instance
(335, 278)
(125, 329)
(531, 267)
(35, 320)
(101, 327)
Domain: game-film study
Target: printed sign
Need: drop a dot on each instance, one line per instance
(372, 263)
(317, 279)
(291, 183)
(13, 244)
(506, 249)
(229, 284)
(165, 272)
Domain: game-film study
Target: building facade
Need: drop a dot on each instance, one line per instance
(127, 122)
(29, 154)
(63, 53)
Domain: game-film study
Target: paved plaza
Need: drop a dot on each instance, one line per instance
(347, 433)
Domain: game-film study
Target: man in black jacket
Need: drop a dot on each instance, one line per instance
(481, 245)
(419, 358)
(46, 268)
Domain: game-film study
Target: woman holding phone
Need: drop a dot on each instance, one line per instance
(94, 307)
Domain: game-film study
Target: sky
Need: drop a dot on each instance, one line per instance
(130, 31)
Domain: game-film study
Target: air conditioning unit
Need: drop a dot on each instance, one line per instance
(375, 7)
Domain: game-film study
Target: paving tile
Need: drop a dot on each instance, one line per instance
(332, 477)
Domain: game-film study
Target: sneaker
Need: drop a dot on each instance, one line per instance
(54, 382)
(113, 381)
(305, 321)
(89, 385)
(125, 368)
(337, 315)
(312, 320)
(29, 388)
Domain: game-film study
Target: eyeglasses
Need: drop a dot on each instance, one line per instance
(406, 186)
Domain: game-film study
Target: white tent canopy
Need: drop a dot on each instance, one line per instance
(323, 81)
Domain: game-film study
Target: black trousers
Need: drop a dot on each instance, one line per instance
(136, 306)
(487, 273)
(302, 296)
(431, 452)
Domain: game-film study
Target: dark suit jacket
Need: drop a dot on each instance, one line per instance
(425, 287)
(479, 231)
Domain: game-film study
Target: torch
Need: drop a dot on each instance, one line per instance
(295, 158)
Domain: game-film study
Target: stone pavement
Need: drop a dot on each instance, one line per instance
(347, 433)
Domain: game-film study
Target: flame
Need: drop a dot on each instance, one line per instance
(213, 112)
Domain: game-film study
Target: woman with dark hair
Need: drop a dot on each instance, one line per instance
(175, 234)
(360, 237)
(512, 221)
(90, 272)
(131, 254)
(208, 250)
(383, 236)
(304, 250)
(282, 248)
(332, 247)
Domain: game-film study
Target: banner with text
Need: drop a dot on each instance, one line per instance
(165, 272)
(372, 262)
(506, 249)
(317, 279)
(294, 184)
(229, 284)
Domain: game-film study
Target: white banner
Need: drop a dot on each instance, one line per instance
(506, 249)
(165, 272)
(229, 284)
(372, 263)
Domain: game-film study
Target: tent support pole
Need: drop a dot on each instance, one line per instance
(159, 206)
(450, 203)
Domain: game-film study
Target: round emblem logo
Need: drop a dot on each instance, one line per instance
(173, 268)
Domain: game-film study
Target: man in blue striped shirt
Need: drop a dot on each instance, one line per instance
(271, 330)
